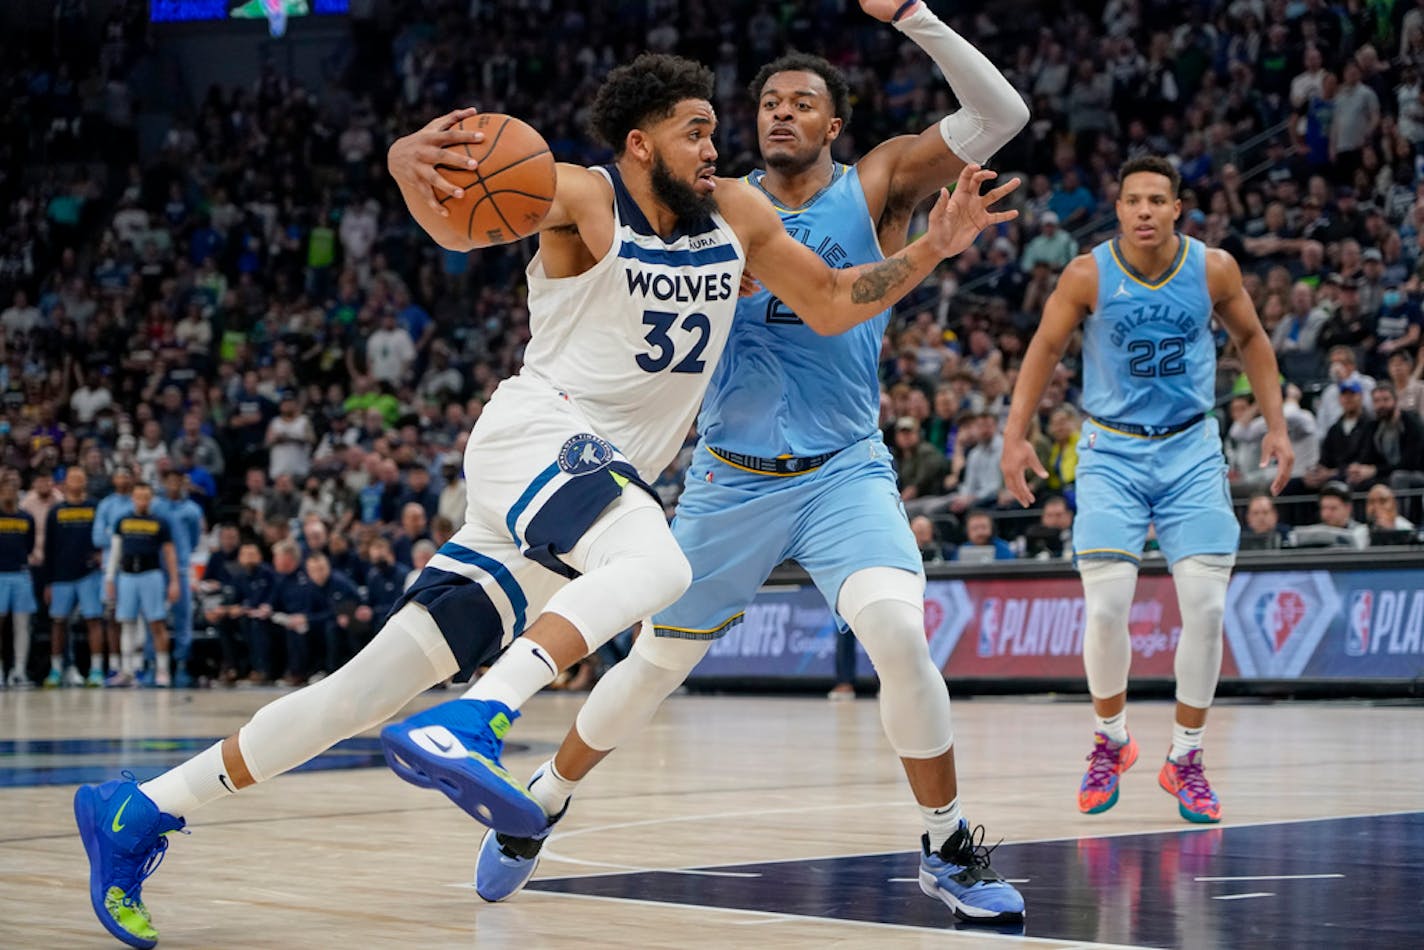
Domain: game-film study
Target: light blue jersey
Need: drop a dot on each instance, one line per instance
(782, 388)
(1148, 355)
(1148, 455)
(185, 519)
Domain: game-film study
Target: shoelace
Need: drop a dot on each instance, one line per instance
(151, 861)
(1193, 779)
(1102, 763)
(973, 853)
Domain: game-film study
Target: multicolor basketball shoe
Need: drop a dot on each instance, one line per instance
(1106, 763)
(125, 837)
(1185, 779)
(506, 863)
(455, 747)
(959, 875)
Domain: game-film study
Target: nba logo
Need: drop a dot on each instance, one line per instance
(988, 626)
(1357, 635)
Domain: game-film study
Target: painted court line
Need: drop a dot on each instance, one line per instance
(1267, 877)
(1242, 897)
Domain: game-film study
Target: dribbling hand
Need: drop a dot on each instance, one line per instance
(412, 159)
(1019, 455)
(956, 221)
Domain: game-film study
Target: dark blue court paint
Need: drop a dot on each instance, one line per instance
(1135, 889)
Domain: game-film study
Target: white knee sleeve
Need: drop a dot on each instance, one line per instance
(1108, 587)
(406, 657)
(885, 608)
(631, 568)
(1201, 582)
(626, 698)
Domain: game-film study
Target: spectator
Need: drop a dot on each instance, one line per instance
(452, 501)
(390, 352)
(921, 468)
(1264, 532)
(292, 606)
(1294, 338)
(289, 441)
(980, 543)
(1342, 370)
(1065, 427)
(1052, 246)
(202, 449)
(1052, 537)
(927, 537)
(91, 398)
(251, 412)
(1396, 329)
(1382, 514)
(149, 450)
(385, 579)
(282, 503)
(414, 527)
(1354, 121)
(37, 503)
(1398, 438)
(419, 492)
(1349, 326)
(1408, 388)
(252, 589)
(420, 554)
(982, 479)
(1336, 527)
(1348, 451)
(218, 602)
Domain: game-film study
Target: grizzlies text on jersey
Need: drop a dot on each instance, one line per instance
(1148, 355)
(782, 388)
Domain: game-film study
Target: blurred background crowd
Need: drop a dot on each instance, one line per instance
(240, 311)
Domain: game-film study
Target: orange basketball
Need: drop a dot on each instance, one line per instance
(511, 189)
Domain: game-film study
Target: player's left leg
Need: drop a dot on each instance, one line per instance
(1198, 533)
(857, 545)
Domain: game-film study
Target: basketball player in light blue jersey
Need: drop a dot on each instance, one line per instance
(1150, 454)
(791, 463)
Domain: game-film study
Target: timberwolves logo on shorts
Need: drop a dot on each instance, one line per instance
(585, 453)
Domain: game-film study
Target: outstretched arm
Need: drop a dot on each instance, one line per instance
(1069, 303)
(831, 301)
(905, 170)
(1238, 314)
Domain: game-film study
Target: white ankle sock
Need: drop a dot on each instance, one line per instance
(164, 662)
(21, 623)
(200, 780)
(551, 789)
(1114, 727)
(56, 664)
(941, 823)
(1185, 739)
(524, 669)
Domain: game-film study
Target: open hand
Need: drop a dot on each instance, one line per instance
(955, 221)
(884, 10)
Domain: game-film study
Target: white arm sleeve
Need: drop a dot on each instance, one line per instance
(116, 548)
(991, 112)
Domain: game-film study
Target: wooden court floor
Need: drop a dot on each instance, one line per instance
(354, 858)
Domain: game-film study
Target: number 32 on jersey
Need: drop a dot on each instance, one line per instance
(673, 339)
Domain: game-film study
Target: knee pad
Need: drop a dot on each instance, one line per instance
(1108, 587)
(625, 700)
(1201, 581)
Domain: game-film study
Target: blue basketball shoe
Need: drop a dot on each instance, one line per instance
(959, 874)
(506, 862)
(125, 837)
(454, 747)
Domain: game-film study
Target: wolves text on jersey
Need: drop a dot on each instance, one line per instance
(680, 288)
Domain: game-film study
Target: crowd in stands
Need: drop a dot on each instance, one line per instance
(243, 313)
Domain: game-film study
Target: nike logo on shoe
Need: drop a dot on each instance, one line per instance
(442, 746)
(116, 826)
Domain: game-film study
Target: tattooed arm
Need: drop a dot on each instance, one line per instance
(832, 301)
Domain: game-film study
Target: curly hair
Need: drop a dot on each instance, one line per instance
(836, 83)
(649, 87)
(1155, 164)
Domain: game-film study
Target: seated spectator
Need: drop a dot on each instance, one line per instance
(1337, 527)
(1264, 532)
(980, 543)
(927, 537)
(414, 528)
(1064, 428)
(1408, 389)
(293, 604)
(1052, 246)
(1398, 438)
(921, 468)
(420, 554)
(1294, 338)
(1396, 328)
(385, 579)
(982, 479)
(252, 590)
(1386, 524)
(1348, 450)
(1052, 537)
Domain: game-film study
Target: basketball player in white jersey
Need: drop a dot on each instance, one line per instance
(631, 298)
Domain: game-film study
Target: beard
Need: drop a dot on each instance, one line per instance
(679, 197)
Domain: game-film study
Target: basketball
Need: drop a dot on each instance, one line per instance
(512, 188)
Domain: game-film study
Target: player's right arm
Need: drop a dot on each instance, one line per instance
(831, 301)
(1069, 303)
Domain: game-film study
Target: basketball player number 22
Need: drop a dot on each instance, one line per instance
(660, 321)
(1145, 353)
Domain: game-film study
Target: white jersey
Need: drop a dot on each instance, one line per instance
(632, 341)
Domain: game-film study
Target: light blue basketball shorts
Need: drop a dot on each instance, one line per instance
(87, 594)
(1176, 482)
(141, 596)
(17, 593)
(735, 526)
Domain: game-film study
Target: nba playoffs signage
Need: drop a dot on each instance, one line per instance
(1356, 624)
